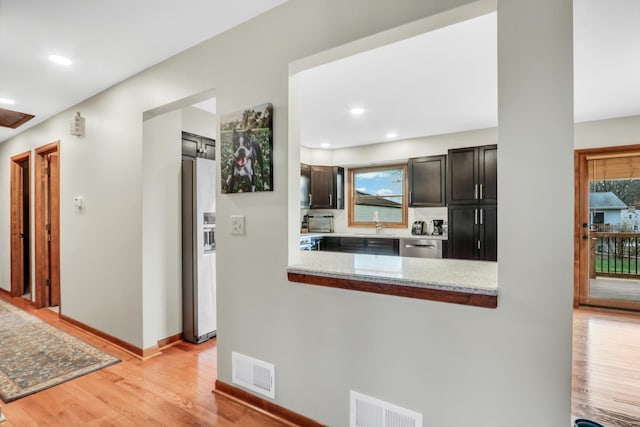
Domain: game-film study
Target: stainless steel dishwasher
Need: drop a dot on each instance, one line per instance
(421, 247)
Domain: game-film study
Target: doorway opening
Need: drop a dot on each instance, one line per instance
(187, 125)
(608, 227)
(20, 229)
(47, 225)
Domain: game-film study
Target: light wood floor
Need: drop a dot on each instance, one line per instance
(606, 367)
(174, 389)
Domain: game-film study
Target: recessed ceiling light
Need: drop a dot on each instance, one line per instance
(392, 135)
(7, 101)
(60, 59)
(325, 145)
(357, 111)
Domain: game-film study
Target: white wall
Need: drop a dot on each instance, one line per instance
(457, 365)
(101, 246)
(476, 356)
(595, 134)
(162, 228)
(199, 122)
(608, 133)
(535, 163)
(398, 151)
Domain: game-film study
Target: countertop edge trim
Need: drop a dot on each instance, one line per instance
(446, 296)
(397, 282)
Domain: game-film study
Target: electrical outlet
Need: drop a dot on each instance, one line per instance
(237, 225)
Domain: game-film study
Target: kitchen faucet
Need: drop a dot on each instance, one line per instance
(376, 219)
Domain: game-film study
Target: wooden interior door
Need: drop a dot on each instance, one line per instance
(593, 240)
(20, 236)
(47, 229)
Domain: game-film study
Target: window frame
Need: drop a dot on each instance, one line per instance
(351, 196)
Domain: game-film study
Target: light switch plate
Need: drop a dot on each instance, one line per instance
(237, 225)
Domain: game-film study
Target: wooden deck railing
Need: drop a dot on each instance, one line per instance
(615, 254)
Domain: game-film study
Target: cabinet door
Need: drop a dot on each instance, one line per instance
(462, 173)
(330, 244)
(489, 232)
(382, 246)
(427, 176)
(488, 174)
(338, 189)
(321, 187)
(327, 187)
(305, 186)
(463, 232)
(354, 245)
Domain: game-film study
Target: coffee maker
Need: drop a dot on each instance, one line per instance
(436, 226)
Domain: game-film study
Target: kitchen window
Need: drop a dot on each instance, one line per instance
(378, 195)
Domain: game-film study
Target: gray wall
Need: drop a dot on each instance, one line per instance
(457, 365)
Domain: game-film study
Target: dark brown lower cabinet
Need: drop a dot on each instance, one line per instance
(361, 245)
(473, 232)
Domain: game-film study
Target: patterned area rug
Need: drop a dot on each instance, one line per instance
(35, 355)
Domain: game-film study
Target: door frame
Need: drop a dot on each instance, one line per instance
(17, 223)
(40, 231)
(581, 217)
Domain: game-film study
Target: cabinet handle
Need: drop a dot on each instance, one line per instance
(481, 192)
(310, 200)
(475, 216)
(475, 191)
(481, 216)
(478, 244)
(330, 199)
(410, 197)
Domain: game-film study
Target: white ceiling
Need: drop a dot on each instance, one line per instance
(440, 82)
(108, 41)
(446, 80)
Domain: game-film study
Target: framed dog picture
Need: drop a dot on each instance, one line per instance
(246, 150)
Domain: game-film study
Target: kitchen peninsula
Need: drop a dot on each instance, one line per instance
(446, 280)
(449, 199)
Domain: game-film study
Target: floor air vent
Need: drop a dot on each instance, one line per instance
(367, 411)
(253, 374)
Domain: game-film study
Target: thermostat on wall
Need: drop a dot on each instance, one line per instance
(78, 201)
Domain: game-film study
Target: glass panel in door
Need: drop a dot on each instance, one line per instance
(614, 231)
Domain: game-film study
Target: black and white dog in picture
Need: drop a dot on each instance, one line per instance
(246, 155)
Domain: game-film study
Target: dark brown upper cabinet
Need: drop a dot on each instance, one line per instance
(327, 187)
(472, 175)
(427, 178)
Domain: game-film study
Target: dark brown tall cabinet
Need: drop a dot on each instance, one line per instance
(427, 177)
(472, 196)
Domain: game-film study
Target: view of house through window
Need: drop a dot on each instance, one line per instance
(378, 195)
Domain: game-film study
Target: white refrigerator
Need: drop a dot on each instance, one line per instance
(198, 249)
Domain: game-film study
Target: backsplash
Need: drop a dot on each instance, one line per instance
(414, 214)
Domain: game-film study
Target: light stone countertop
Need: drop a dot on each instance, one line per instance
(477, 277)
